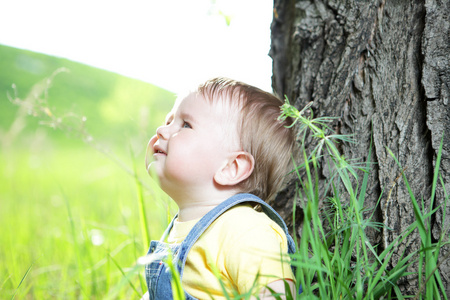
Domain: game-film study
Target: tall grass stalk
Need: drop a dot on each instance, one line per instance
(141, 204)
(177, 288)
(21, 281)
(124, 275)
(335, 259)
(73, 231)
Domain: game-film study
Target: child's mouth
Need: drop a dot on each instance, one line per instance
(158, 151)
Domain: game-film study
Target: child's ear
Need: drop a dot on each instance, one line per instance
(238, 168)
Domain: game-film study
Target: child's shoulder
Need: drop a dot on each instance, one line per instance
(243, 221)
(245, 214)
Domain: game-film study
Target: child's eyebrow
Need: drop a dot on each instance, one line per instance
(168, 117)
(188, 116)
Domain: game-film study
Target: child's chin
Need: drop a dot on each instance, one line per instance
(151, 170)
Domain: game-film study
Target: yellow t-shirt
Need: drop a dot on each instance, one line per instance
(238, 245)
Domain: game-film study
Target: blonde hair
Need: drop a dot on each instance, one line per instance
(262, 134)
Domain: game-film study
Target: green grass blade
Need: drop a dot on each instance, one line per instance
(417, 212)
(424, 233)
(436, 171)
(77, 245)
(21, 281)
(124, 275)
(362, 192)
(141, 205)
(177, 288)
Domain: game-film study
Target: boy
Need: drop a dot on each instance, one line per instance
(221, 151)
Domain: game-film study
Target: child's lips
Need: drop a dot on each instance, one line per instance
(158, 151)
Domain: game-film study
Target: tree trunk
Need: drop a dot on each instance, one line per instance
(382, 67)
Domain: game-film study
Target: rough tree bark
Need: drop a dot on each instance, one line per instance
(382, 67)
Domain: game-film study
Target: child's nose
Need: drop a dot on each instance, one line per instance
(162, 132)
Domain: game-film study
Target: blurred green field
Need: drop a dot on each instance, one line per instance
(69, 214)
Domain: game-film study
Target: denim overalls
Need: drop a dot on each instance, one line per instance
(157, 273)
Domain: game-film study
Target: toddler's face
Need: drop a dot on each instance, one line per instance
(193, 145)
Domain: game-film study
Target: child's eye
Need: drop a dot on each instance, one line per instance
(186, 125)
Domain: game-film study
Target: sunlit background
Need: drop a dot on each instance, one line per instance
(77, 207)
(172, 43)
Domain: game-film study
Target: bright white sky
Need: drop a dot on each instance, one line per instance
(174, 44)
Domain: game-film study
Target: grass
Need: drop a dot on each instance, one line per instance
(338, 261)
(68, 225)
(74, 222)
(62, 226)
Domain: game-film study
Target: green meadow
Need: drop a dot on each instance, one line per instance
(76, 205)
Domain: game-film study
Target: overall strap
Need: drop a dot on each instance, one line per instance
(213, 214)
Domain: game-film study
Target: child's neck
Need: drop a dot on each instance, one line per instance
(194, 212)
(197, 207)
